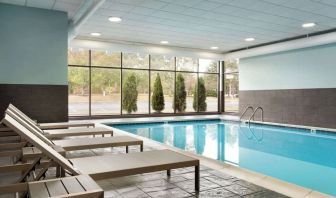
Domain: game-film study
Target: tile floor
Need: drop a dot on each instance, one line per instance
(157, 185)
(180, 184)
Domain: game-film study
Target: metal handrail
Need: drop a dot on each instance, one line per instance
(254, 135)
(247, 108)
(262, 114)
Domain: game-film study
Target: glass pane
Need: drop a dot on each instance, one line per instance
(207, 65)
(231, 91)
(135, 81)
(78, 57)
(231, 66)
(189, 81)
(78, 91)
(162, 62)
(135, 60)
(167, 83)
(186, 64)
(211, 87)
(105, 91)
(105, 59)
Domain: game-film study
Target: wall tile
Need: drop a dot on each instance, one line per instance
(312, 107)
(45, 103)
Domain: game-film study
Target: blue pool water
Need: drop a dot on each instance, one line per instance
(300, 156)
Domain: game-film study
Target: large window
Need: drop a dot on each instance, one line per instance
(114, 83)
(105, 59)
(105, 91)
(78, 91)
(141, 87)
(167, 82)
(79, 82)
(190, 83)
(211, 82)
(231, 86)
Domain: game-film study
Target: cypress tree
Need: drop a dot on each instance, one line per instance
(158, 103)
(181, 94)
(195, 99)
(130, 94)
(200, 98)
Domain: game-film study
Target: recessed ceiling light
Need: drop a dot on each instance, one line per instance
(114, 19)
(214, 48)
(95, 34)
(249, 39)
(164, 42)
(308, 25)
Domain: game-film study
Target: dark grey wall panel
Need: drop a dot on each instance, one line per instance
(45, 103)
(311, 107)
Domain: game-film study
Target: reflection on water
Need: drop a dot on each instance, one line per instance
(214, 139)
(294, 155)
(199, 138)
(180, 137)
(232, 143)
(156, 134)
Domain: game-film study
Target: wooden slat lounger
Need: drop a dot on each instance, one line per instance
(58, 125)
(80, 186)
(80, 143)
(59, 133)
(109, 166)
(83, 144)
(99, 142)
(63, 125)
(77, 186)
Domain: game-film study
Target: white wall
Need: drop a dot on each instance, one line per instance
(313, 67)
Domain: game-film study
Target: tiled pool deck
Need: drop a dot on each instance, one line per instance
(217, 179)
(180, 184)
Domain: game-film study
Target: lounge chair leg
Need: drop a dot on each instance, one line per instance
(58, 171)
(168, 173)
(197, 178)
(141, 147)
(126, 149)
(103, 135)
(62, 172)
(111, 133)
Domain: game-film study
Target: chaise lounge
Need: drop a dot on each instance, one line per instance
(73, 144)
(60, 133)
(109, 166)
(52, 125)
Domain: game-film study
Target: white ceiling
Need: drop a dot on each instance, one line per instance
(199, 23)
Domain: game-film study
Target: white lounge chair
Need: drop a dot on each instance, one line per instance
(109, 166)
(75, 144)
(60, 133)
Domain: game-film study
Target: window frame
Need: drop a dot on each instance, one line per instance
(149, 70)
(225, 73)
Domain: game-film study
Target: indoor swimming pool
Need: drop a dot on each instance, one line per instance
(300, 156)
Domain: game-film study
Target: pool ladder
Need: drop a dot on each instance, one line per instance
(246, 109)
(253, 135)
(254, 112)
